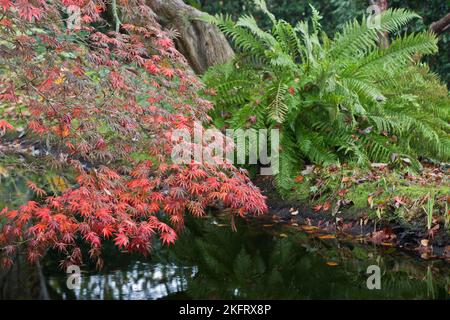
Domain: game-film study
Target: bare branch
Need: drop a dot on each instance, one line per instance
(441, 26)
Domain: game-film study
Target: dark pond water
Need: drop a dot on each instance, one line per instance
(259, 261)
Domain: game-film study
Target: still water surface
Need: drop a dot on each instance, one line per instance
(259, 261)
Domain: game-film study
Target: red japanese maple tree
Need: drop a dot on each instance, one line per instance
(105, 104)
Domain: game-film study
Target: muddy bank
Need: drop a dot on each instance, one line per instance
(354, 223)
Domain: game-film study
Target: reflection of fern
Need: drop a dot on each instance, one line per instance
(344, 99)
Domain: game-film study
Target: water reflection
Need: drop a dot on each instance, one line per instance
(258, 262)
(142, 280)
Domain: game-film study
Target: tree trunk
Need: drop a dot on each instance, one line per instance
(202, 44)
(441, 26)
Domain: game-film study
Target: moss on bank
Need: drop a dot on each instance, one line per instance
(381, 193)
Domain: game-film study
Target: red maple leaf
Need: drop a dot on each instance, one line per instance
(4, 125)
(28, 11)
(5, 4)
(166, 43)
(121, 240)
(168, 237)
(168, 72)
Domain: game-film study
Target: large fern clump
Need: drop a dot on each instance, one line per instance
(345, 99)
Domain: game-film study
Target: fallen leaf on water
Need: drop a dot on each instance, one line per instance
(299, 179)
(328, 236)
(283, 235)
(309, 228)
(387, 244)
(424, 242)
(332, 264)
(294, 213)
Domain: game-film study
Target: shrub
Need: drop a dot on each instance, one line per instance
(102, 105)
(345, 99)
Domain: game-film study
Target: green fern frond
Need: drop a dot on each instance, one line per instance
(398, 54)
(356, 38)
(263, 6)
(362, 88)
(277, 108)
(249, 22)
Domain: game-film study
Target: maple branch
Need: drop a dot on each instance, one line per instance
(115, 14)
(441, 26)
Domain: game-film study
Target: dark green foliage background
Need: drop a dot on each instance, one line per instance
(336, 12)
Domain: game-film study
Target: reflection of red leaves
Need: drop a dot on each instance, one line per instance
(317, 208)
(326, 206)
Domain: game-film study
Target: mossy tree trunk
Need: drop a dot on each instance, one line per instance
(201, 43)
